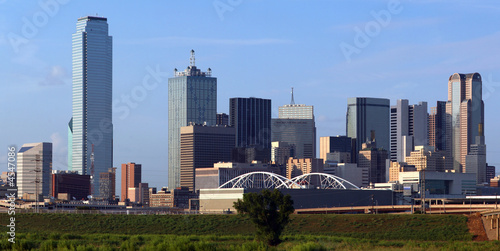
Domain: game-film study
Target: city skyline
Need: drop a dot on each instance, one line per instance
(262, 61)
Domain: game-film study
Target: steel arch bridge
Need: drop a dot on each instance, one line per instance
(272, 180)
(257, 180)
(323, 181)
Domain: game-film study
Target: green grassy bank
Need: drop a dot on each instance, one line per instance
(235, 232)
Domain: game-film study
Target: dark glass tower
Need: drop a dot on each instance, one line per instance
(251, 118)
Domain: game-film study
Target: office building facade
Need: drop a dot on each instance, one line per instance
(178, 198)
(298, 132)
(297, 167)
(425, 158)
(201, 147)
(222, 119)
(296, 111)
(281, 152)
(131, 177)
(410, 121)
(70, 185)
(475, 161)
(350, 172)
(91, 127)
(107, 188)
(251, 118)
(465, 112)
(365, 115)
(34, 169)
(192, 97)
(338, 145)
(374, 159)
(437, 127)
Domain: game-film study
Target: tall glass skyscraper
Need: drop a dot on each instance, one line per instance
(91, 128)
(192, 98)
(465, 112)
(365, 115)
(295, 125)
(252, 119)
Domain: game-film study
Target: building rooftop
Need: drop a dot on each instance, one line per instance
(92, 18)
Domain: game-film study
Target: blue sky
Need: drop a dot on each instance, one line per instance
(255, 48)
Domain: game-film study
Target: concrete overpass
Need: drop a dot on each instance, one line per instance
(431, 209)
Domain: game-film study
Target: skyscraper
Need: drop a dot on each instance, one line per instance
(131, 177)
(374, 159)
(408, 128)
(465, 112)
(342, 145)
(365, 115)
(281, 152)
(295, 125)
(437, 126)
(192, 97)
(222, 119)
(91, 127)
(475, 160)
(251, 117)
(201, 147)
(34, 169)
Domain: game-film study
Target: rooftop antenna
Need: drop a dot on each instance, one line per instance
(292, 102)
(191, 60)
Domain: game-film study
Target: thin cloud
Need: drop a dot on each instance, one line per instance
(393, 24)
(210, 41)
(55, 76)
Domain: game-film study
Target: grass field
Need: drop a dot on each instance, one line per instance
(235, 232)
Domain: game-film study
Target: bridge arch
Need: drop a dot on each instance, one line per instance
(258, 180)
(273, 180)
(323, 181)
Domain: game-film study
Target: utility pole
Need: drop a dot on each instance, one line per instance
(373, 212)
(92, 173)
(37, 180)
(422, 187)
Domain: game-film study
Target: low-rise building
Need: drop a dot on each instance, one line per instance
(398, 167)
(223, 172)
(297, 167)
(178, 197)
(70, 184)
(441, 183)
(348, 171)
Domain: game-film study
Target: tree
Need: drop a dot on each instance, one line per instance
(269, 211)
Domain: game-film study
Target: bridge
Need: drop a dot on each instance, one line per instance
(272, 180)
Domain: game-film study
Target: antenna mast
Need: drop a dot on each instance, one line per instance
(292, 102)
(191, 60)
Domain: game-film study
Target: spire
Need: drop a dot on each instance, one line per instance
(292, 102)
(191, 60)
